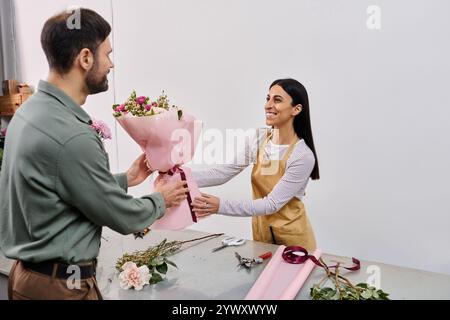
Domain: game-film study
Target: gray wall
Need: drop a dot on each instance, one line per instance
(9, 66)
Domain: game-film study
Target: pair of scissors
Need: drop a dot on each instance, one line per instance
(230, 241)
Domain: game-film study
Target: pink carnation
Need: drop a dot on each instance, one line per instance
(102, 129)
(132, 276)
(141, 100)
(3, 132)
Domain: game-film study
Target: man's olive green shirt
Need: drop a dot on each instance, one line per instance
(56, 190)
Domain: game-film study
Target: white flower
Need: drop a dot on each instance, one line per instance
(158, 110)
(132, 276)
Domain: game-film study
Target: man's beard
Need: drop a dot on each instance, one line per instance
(93, 83)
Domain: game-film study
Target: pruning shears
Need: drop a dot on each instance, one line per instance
(141, 234)
(248, 263)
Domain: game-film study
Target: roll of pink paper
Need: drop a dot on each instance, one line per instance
(177, 218)
(281, 280)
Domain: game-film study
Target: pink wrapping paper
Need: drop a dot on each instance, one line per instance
(166, 140)
(168, 143)
(178, 217)
(281, 280)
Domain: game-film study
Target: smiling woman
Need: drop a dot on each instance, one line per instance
(284, 159)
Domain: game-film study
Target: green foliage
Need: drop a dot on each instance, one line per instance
(156, 277)
(343, 288)
(359, 292)
(162, 268)
(151, 257)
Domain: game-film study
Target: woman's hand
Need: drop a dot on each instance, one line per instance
(205, 205)
(138, 171)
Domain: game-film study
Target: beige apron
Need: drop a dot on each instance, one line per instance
(290, 225)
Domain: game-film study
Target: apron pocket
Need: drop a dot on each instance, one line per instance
(286, 235)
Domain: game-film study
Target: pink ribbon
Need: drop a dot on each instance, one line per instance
(177, 169)
(290, 257)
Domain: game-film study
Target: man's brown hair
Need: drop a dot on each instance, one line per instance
(63, 41)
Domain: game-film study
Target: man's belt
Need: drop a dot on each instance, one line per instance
(84, 270)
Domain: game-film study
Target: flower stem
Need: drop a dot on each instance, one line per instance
(206, 237)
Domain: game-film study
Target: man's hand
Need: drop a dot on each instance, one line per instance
(205, 205)
(138, 171)
(173, 192)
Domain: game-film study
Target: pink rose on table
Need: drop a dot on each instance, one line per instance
(134, 277)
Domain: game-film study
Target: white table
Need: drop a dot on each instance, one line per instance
(203, 275)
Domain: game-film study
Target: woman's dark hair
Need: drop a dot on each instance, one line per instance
(62, 39)
(302, 122)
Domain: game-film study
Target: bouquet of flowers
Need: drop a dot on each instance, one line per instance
(168, 136)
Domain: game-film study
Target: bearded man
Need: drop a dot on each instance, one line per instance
(56, 188)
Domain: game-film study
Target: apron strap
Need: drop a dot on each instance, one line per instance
(261, 148)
